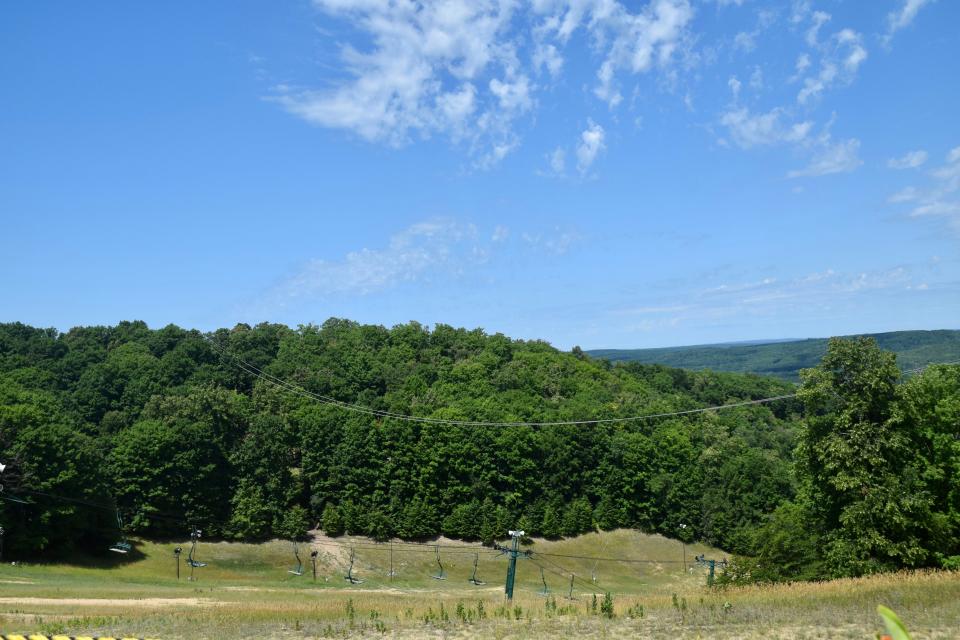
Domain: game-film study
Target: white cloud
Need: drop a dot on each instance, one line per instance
(635, 42)
(548, 56)
(910, 160)
(769, 296)
(558, 160)
(819, 18)
(841, 157)
(940, 199)
(897, 20)
(841, 57)
(468, 70)
(745, 41)
(590, 146)
(907, 194)
(756, 79)
(799, 11)
(734, 85)
(424, 249)
(513, 96)
(556, 242)
(422, 73)
(750, 130)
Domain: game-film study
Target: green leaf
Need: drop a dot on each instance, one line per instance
(893, 624)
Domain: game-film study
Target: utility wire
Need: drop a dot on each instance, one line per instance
(298, 390)
(565, 573)
(364, 544)
(381, 413)
(603, 559)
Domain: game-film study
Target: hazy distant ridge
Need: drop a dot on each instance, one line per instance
(784, 359)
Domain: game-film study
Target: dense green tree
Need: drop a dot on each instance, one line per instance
(858, 468)
(167, 475)
(332, 522)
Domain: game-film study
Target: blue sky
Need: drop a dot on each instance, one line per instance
(592, 172)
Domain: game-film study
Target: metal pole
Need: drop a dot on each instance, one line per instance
(683, 547)
(512, 564)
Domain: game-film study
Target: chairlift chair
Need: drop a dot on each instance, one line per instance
(473, 577)
(122, 546)
(298, 569)
(350, 577)
(545, 591)
(442, 575)
(194, 564)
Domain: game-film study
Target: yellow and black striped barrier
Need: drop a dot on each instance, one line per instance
(40, 636)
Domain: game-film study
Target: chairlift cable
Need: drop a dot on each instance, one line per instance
(298, 390)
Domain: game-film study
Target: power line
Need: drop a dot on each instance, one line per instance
(564, 573)
(603, 559)
(298, 390)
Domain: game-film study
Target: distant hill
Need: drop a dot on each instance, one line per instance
(784, 359)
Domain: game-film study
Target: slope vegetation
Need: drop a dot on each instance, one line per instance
(784, 359)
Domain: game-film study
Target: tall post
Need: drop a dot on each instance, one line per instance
(683, 547)
(512, 564)
(313, 561)
(176, 552)
(713, 564)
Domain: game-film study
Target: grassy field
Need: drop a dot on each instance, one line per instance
(246, 592)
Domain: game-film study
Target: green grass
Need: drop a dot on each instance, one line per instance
(246, 592)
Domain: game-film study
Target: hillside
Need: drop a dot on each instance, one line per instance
(784, 359)
(243, 433)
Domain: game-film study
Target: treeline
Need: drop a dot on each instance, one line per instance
(785, 359)
(173, 428)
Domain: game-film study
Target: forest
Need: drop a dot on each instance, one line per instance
(786, 358)
(242, 432)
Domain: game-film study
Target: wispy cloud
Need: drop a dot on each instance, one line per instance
(838, 157)
(748, 129)
(556, 241)
(428, 253)
(629, 42)
(468, 70)
(447, 68)
(910, 160)
(590, 146)
(940, 198)
(771, 296)
(416, 253)
(901, 18)
(840, 57)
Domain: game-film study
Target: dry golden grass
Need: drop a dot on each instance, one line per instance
(246, 593)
